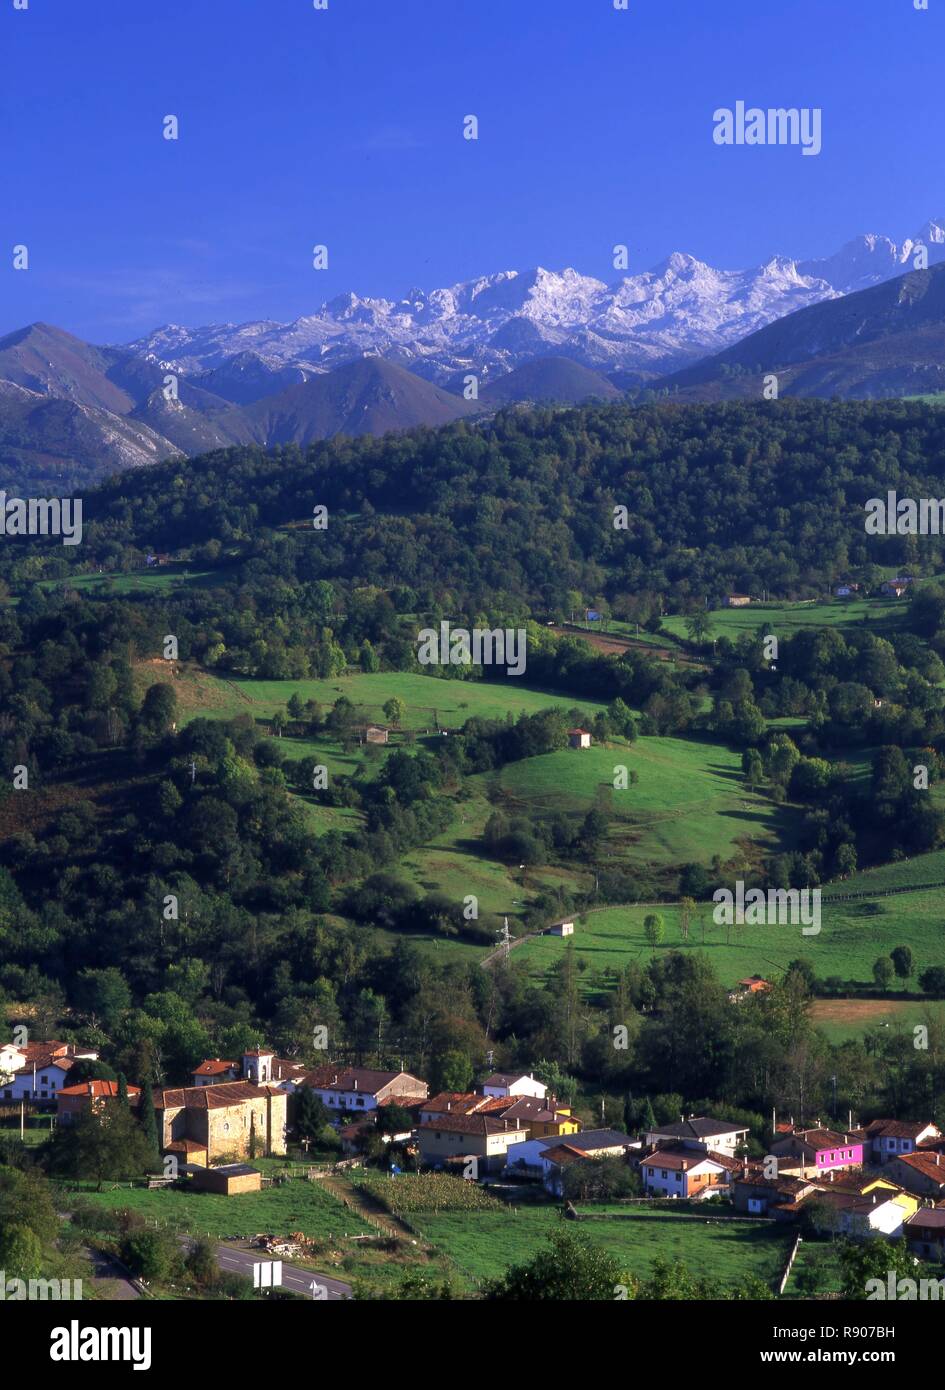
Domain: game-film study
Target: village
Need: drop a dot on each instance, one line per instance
(224, 1133)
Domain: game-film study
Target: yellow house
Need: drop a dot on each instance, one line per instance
(541, 1118)
(460, 1137)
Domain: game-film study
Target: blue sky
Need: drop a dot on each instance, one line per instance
(344, 127)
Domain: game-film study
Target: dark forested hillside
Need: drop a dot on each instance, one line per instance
(746, 497)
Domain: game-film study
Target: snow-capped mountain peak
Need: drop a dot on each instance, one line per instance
(644, 323)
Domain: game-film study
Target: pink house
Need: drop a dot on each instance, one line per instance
(808, 1152)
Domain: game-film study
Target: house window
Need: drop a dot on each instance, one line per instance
(44, 1080)
(663, 1173)
(679, 1177)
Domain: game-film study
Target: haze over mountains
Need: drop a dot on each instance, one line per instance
(848, 324)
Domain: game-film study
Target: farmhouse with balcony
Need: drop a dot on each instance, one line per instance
(780, 1197)
(687, 1173)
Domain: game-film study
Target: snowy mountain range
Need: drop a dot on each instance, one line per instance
(855, 324)
(638, 327)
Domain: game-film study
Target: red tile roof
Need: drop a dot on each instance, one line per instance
(470, 1124)
(214, 1067)
(99, 1089)
(896, 1129)
(208, 1097)
(926, 1164)
(689, 1158)
(364, 1079)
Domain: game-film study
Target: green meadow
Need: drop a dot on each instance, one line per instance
(904, 873)
(147, 581)
(469, 1248)
(428, 698)
(296, 1206)
(853, 935)
(484, 1244)
(842, 1019)
(688, 804)
(785, 618)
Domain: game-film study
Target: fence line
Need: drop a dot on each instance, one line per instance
(790, 1265)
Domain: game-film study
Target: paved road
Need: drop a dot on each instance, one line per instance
(294, 1277)
(111, 1275)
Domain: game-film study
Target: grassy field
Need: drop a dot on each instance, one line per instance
(483, 1244)
(153, 581)
(785, 618)
(842, 1019)
(853, 935)
(427, 698)
(688, 804)
(468, 1246)
(906, 873)
(296, 1206)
